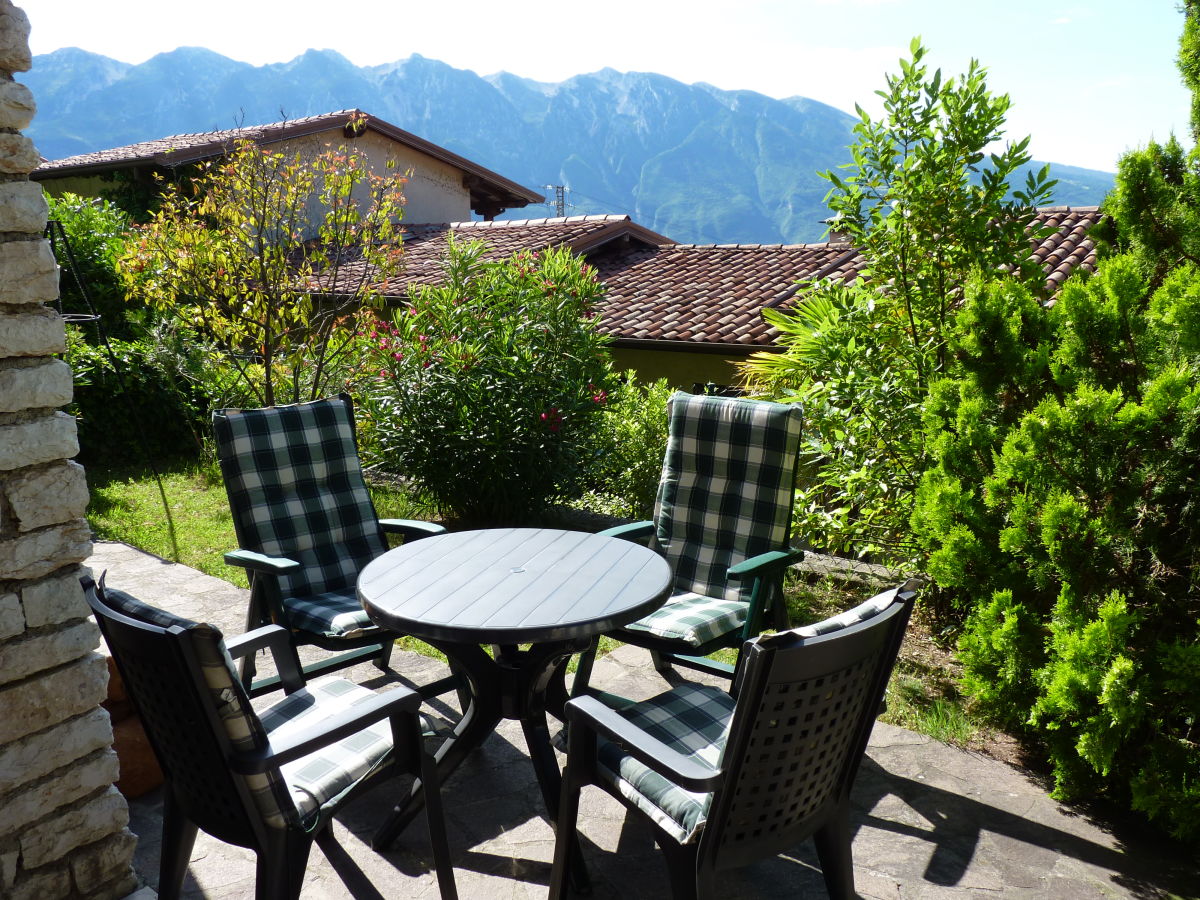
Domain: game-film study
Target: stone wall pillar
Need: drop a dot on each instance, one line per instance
(62, 823)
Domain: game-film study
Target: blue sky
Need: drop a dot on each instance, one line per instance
(1088, 80)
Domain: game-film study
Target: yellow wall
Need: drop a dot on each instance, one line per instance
(681, 369)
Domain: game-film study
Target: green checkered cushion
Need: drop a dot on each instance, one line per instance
(693, 719)
(321, 776)
(693, 619)
(868, 609)
(335, 614)
(242, 726)
(296, 489)
(726, 489)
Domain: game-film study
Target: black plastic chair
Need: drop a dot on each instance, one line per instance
(722, 518)
(306, 526)
(273, 782)
(728, 777)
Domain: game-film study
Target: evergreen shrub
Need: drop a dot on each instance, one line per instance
(1062, 512)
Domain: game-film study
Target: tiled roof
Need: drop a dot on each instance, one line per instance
(425, 245)
(180, 149)
(709, 294)
(710, 297)
(713, 296)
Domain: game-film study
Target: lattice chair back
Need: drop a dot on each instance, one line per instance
(806, 702)
(296, 489)
(727, 488)
(195, 713)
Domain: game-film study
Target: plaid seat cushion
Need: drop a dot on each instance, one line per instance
(296, 489)
(868, 609)
(693, 719)
(335, 614)
(242, 726)
(726, 489)
(316, 779)
(693, 619)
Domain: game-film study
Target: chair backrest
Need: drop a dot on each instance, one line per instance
(806, 703)
(195, 713)
(727, 487)
(296, 489)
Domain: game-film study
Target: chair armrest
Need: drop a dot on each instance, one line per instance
(766, 563)
(631, 532)
(412, 529)
(280, 751)
(260, 562)
(692, 774)
(276, 639)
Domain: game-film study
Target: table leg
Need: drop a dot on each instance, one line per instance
(479, 720)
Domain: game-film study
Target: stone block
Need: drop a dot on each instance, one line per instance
(29, 268)
(18, 156)
(121, 888)
(39, 553)
(38, 332)
(40, 885)
(14, 39)
(34, 705)
(12, 619)
(89, 822)
(40, 754)
(54, 600)
(23, 208)
(47, 496)
(17, 106)
(103, 861)
(39, 651)
(61, 788)
(8, 870)
(33, 387)
(41, 441)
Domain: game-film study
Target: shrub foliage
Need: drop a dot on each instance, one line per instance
(1062, 511)
(489, 385)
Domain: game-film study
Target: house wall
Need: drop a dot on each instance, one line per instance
(680, 368)
(435, 191)
(62, 823)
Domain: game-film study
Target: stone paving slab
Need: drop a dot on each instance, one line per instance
(931, 821)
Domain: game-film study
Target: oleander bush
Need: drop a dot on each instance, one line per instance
(1062, 512)
(486, 390)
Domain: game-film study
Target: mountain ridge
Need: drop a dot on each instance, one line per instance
(695, 162)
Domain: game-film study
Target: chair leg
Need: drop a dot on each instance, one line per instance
(178, 839)
(681, 869)
(435, 819)
(661, 666)
(564, 841)
(281, 865)
(835, 855)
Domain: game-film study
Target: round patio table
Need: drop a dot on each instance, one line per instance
(553, 590)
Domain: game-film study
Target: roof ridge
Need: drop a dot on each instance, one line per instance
(549, 220)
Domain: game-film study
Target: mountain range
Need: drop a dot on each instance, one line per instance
(693, 162)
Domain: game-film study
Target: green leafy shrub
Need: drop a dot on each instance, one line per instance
(489, 386)
(626, 463)
(928, 205)
(1062, 513)
(97, 231)
(149, 411)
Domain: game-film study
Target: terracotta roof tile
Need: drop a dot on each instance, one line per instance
(702, 295)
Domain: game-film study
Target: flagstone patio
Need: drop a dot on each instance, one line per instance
(930, 820)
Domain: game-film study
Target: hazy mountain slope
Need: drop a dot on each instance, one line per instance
(696, 163)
